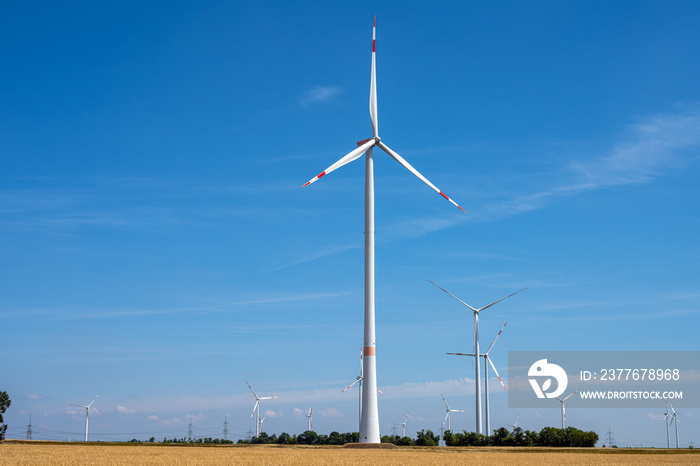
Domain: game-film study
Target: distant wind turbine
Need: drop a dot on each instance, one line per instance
(87, 414)
(369, 424)
(404, 429)
(447, 416)
(258, 423)
(674, 420)
(563, 411)
(476, 353)
(516, 422)
(311, 426)
(358, 380)
(487, 361)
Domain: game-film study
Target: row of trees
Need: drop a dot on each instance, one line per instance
(547, 437)
(307, 438)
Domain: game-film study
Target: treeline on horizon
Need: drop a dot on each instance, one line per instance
(547, 437)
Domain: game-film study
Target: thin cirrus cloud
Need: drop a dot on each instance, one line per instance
(651, 147)
(321, 95)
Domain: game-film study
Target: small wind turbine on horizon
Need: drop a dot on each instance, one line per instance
(310, 426)
(674, 420)
(563, 411)
(476, 354)
(447, 416)
(670, 418)
(358, 380)
(487, 361)
(258, 422)
(87, 414)
(516, 423)
(404, 429)
(369, 415)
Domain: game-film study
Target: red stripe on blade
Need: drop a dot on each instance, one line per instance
(321, 175)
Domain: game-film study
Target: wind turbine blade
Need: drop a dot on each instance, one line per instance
(455, 297)
(349, 386)
(462, 354)
(251, 389)
(98, 395)
(380, 391)
(496, 302)
(673, 410)
(445, 401)
(86, 407)
(456, 410)
(494, 341)
(254, 408)
(499, 377)
(268, 397)
(346, 159)
(373, 86)
(362, 350)
(446, 416)
(566, 398)
(410, 168)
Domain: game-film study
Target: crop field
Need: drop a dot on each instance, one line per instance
(44, 453)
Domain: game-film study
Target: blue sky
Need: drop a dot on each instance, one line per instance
(156, 245)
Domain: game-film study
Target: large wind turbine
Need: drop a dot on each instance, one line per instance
(369, 424)
(258, 422)
(447, 416)
(476, 354)
(487, 361)
(87, 414)
(563, 411)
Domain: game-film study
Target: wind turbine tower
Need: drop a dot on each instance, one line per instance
(476, 354)
(403, 427)
(487, 361)
(87, 414)
(358, 380)
(308, 416)
(674, 420)
(256, 408)
(563, 409)
(369, 423)
(447, 416)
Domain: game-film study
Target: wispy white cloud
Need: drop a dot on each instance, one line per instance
(321, 94)
(652, 146)
(124, 410)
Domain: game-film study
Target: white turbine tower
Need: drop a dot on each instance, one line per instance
(674, 419)
(311, 426)
(369, 424)
(667, 418)
(476, 354)
(258, 422)
(447, 416)
(563, 411)
(87, 414)
(403, 427)
(487, 361)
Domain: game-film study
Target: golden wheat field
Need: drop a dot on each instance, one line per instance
(38, 453)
